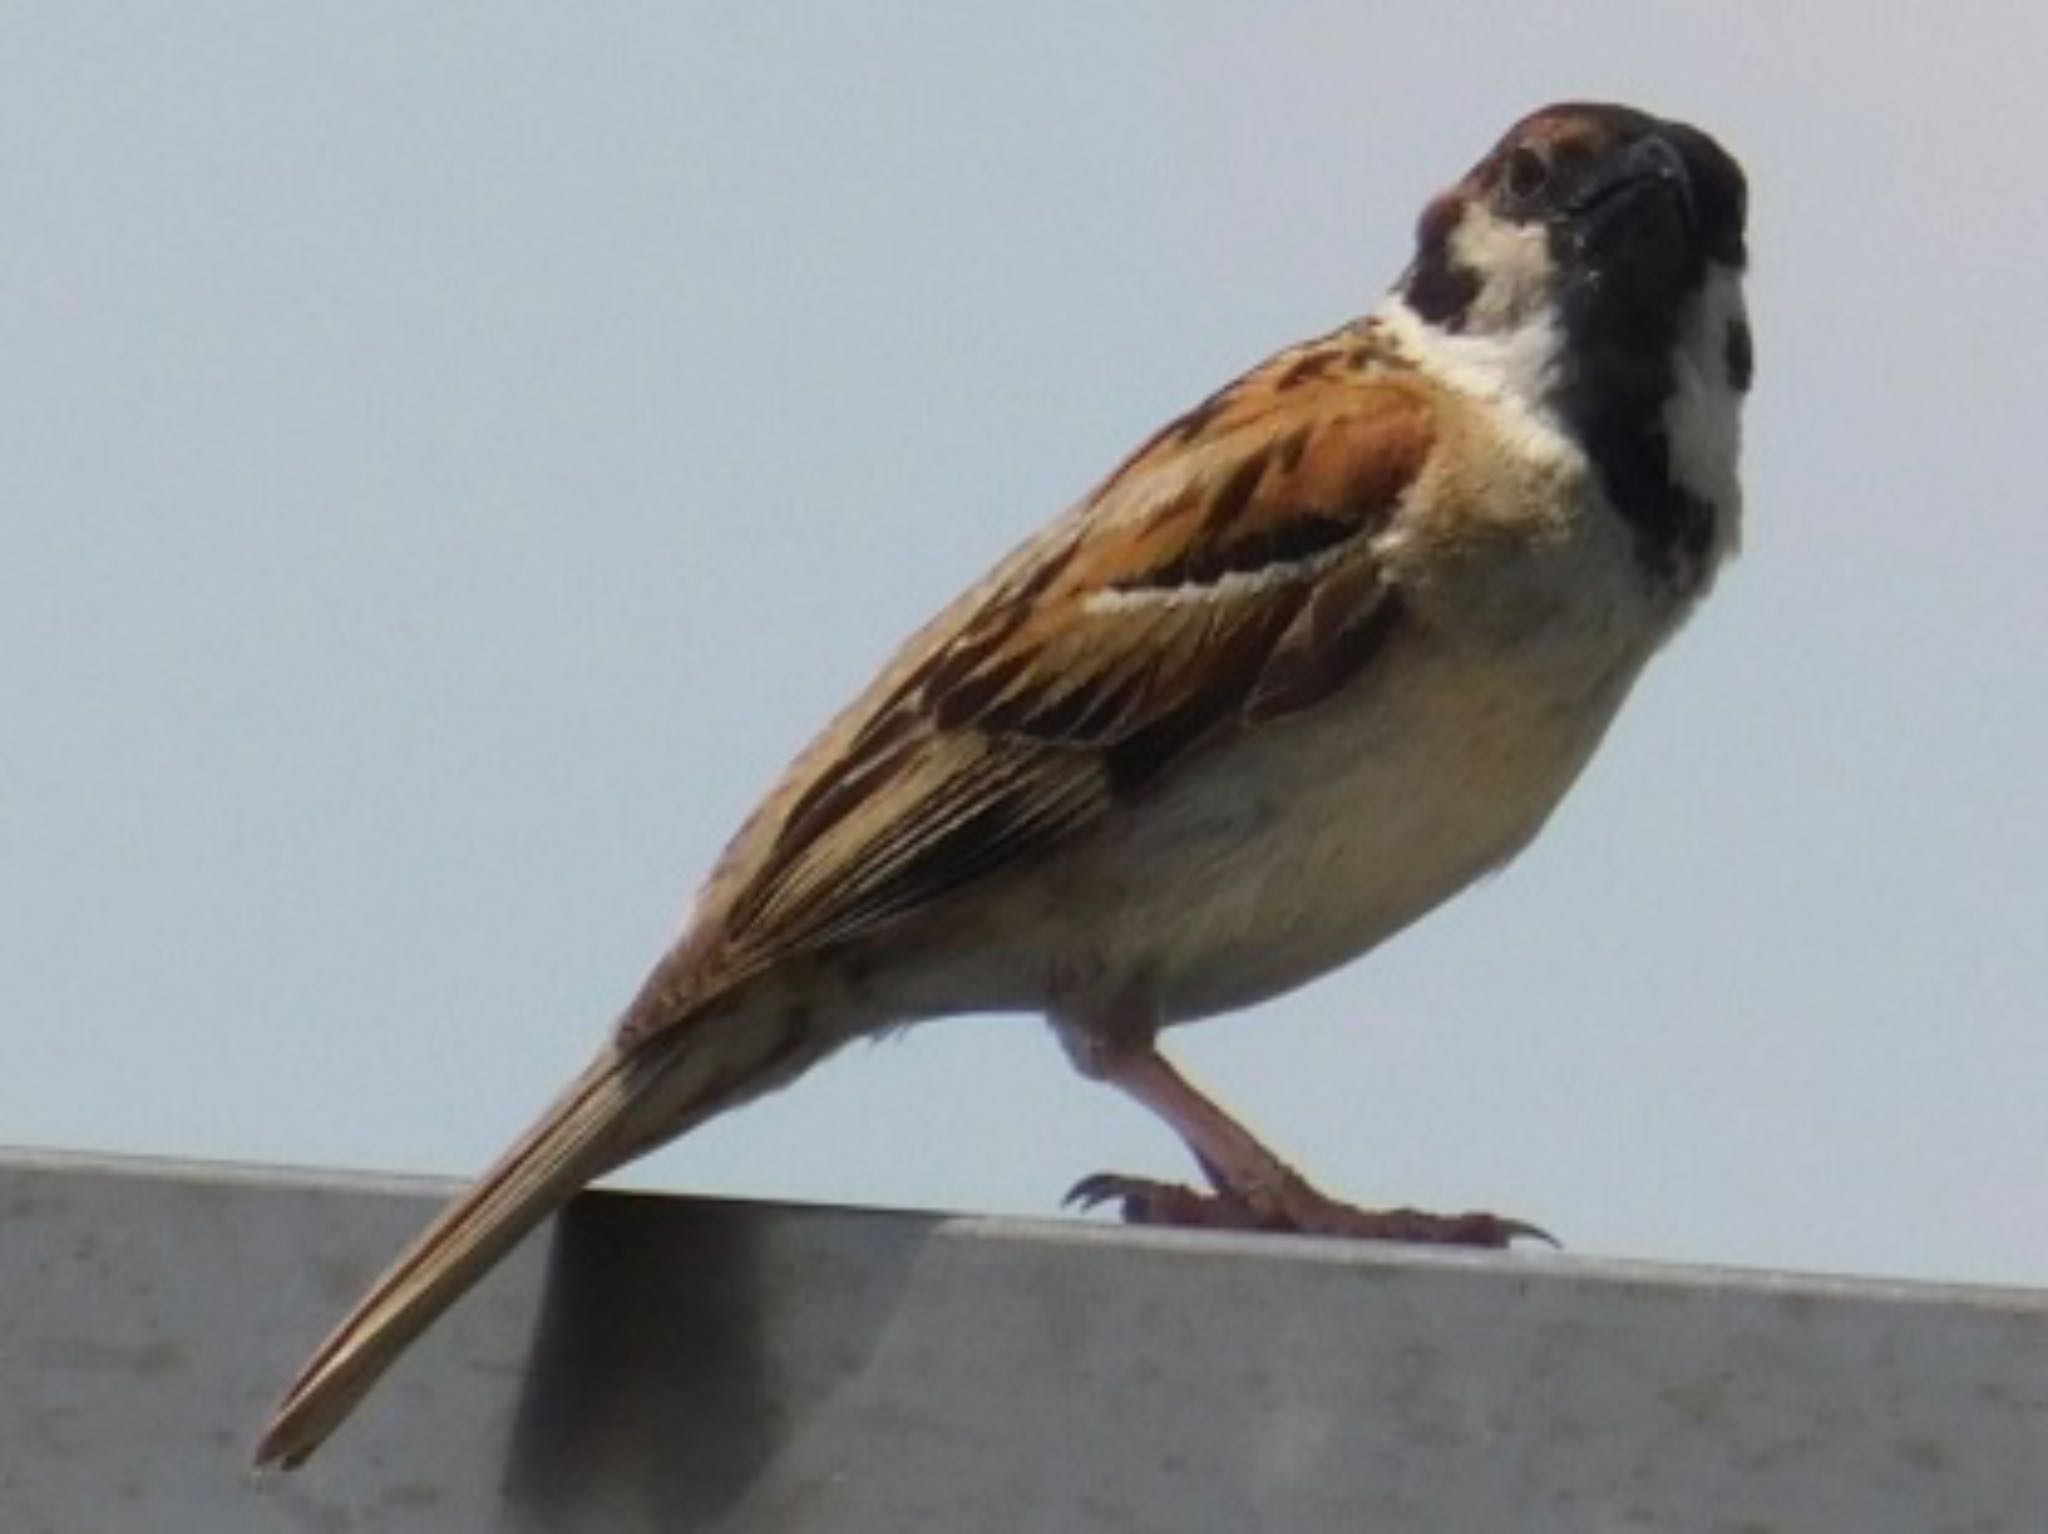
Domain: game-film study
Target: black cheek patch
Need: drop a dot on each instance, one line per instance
(1439, 290)
(1437, 287)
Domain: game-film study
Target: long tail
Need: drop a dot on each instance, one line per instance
(589, 1130)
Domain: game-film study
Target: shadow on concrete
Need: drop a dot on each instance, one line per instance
(655, 1398)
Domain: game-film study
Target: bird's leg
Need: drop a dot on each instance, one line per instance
(1253, 1189)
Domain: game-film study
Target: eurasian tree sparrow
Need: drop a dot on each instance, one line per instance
(1321, 652)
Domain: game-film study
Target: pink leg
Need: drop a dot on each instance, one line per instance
(1253, 1188)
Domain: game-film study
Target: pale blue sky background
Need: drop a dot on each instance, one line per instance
(455, 454)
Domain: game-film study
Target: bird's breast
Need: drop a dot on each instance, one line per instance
(1299, 846)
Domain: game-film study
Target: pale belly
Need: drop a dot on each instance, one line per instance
(1327, 835)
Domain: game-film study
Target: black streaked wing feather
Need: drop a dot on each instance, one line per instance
(1187, 597)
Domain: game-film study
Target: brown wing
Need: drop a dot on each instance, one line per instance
(1222, 576)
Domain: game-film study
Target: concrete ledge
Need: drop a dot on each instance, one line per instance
(674, 1364)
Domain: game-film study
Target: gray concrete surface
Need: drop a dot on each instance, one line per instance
(663, 1363)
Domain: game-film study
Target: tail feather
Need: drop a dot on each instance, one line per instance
(587, 1132)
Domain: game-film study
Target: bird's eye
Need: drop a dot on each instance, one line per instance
(1526, 174)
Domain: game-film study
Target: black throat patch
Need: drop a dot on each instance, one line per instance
(1618, 375)
(1625, 438)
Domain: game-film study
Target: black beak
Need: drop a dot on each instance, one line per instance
(1652, 161)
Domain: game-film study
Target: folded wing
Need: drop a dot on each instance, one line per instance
(1222, 577)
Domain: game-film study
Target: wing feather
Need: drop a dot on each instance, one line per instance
(1222, 576)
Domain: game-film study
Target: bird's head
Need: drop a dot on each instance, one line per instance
(1590, 265)
(1596, 217)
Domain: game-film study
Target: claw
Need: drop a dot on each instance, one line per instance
(1521, 1230)
(1141, 1201)
(1473, 1228)
(1134, 1194)
(1094, 1190)
(1298, 1209)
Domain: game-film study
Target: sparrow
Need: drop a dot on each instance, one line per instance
(1317, 655)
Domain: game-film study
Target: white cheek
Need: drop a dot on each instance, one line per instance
(1703, 418)
(1512, 262)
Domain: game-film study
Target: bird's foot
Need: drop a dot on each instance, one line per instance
(1293, 1206)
